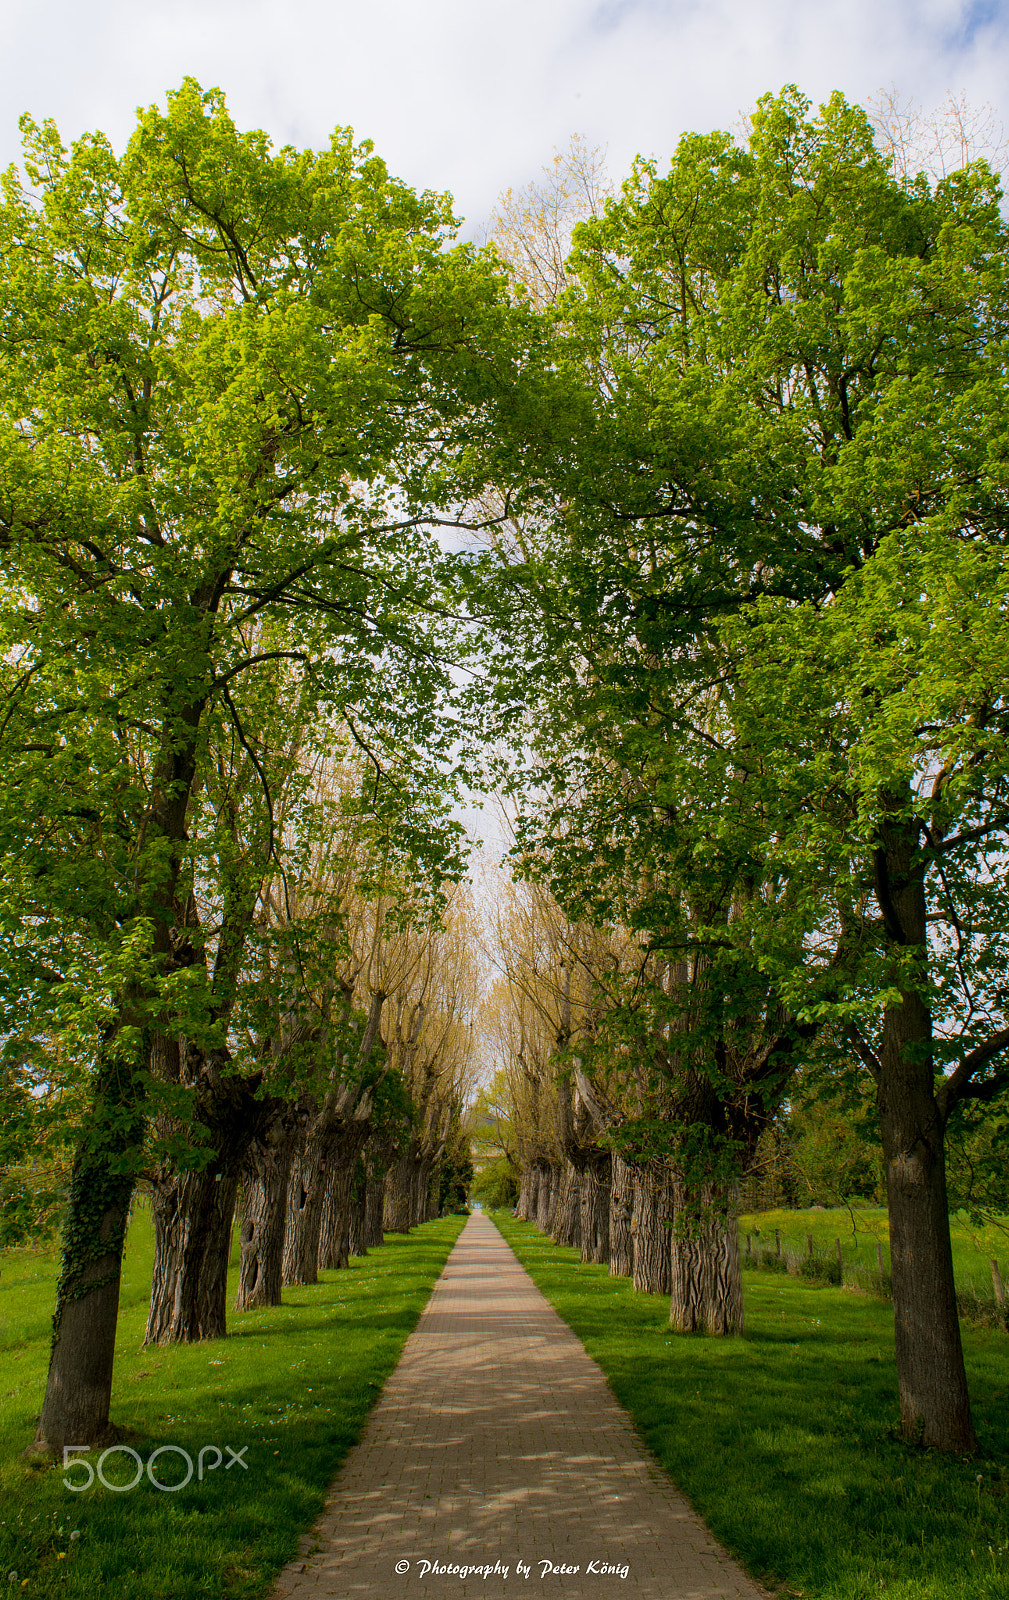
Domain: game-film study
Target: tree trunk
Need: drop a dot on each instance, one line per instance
(376, 1163)
(398, 1209)
(359, 1208)
(595, 1219)
(546, 1196)
(343, 1148)
(651, 1221)
(335, 1219)
(79, 1387)
(192, 1213)
(304, 1210)
(78, 1394)
(705, 1269)
(525, 1208)
(420, 1191)
(266, 1173)
(932, 1382)
(621, 1213)
(567, 1217)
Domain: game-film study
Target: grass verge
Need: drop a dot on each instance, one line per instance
(785, 1441)
(294, 1384)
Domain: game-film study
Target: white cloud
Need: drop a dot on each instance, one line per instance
(473, 95)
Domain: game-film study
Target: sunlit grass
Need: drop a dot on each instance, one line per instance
(785, 1441)
(860, 1229)
(294, 1384)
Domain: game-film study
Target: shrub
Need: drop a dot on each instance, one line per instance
(772, 1261)
(821, 1269)
(879, 1284)
(982, 1313)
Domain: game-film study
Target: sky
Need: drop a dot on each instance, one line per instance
(475, 96)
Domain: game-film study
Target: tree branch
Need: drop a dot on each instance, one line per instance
(865, 1053)
(957, 1085)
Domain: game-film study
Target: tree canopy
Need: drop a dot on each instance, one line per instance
(778, 484)
(737, 636)
(238, 389)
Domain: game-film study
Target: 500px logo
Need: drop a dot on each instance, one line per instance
(72, 1461)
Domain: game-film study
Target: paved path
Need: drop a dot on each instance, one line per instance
(495, 1443)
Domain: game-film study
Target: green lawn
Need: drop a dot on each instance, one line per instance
(785, 1440)
(861, 1228)
(293, 1384)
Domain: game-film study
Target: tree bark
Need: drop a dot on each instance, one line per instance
(78, 1394)
(265, 1175)
(525, 1208)
(343, 1149)
(595, 1218)
(651, 1222)
(398, 1212)
(193, 1213)
(546, 1197)
(932, 1381)
(300, 1262)
(376, 1162)
(706, 1291)
(567, 1213)
(621, 1213)
(79, 1387)
(420, 1191)
(359, 1208)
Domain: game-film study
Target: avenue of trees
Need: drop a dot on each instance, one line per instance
(238, 391)
(687, 503)
(757, 650)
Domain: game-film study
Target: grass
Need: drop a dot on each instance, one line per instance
(294, 1384)
(785, 1441)
(864, 1235)
(973, 1247)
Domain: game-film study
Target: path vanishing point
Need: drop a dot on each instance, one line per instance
(497, 1445)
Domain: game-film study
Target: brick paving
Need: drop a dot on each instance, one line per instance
(497, 1444)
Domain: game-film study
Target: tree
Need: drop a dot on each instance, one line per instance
(539, 1013)
(532, 228)
(940, 141)
(901, 839)
(429, 1042)
(454, 1175)
(252, 811)
(232, 383)
(777, 350)
(490, 1130)
(34, 1155)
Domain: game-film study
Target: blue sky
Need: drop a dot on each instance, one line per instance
(475, 95)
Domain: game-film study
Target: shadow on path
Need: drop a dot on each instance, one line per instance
(496, 1442)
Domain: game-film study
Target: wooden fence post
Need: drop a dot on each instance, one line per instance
(777, 1241)
(996, 1278)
